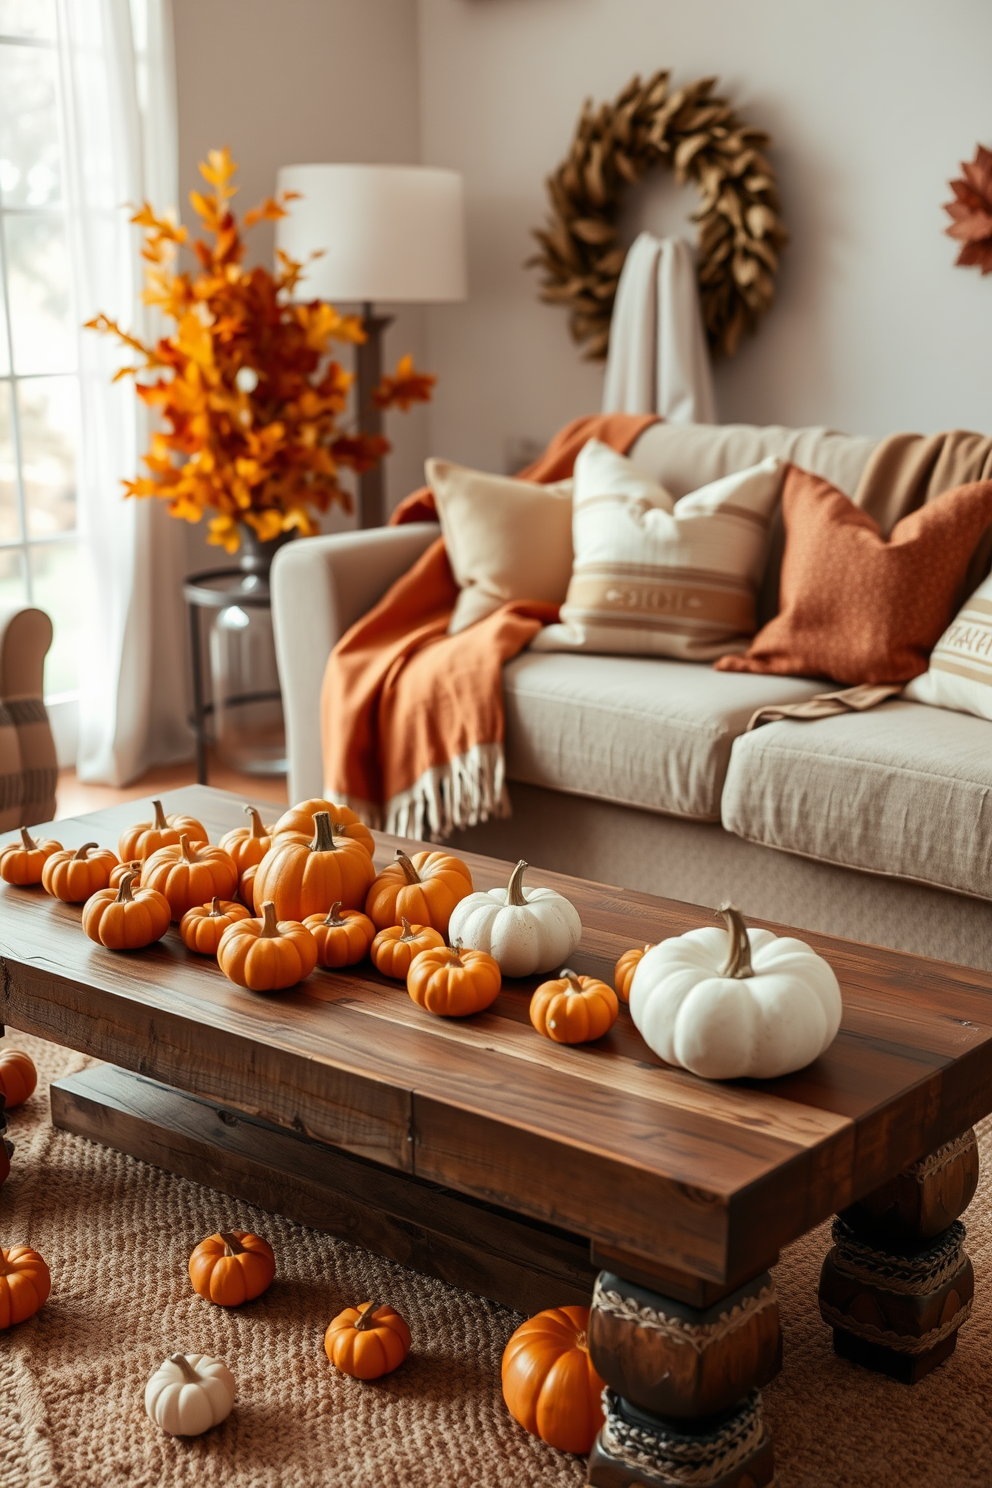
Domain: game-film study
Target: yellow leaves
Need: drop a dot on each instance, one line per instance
(405, 387)
(217, 169)
(321, 324)
(195, 340)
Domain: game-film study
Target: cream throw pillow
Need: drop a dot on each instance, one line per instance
(661, 577)
(506, 539)
(960, 671)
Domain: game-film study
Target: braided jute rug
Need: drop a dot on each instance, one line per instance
(117, 1234)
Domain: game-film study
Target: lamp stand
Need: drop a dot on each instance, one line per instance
(368, 361)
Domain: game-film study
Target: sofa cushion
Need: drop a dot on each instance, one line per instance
(642, 732)
(904, 790)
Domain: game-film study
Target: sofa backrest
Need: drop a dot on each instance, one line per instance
(685, 456)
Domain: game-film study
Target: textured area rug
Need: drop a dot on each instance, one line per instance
(117, 1234)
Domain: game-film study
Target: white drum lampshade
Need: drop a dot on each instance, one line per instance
(387, 232)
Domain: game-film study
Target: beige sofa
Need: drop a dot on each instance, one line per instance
(638, 772)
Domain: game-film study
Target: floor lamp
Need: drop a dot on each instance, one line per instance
(388, 234)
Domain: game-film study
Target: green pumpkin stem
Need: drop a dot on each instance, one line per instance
(257, 829)
(323, 833)
(367, 1319)
(515, 888)
(333, 918)
(738, 963)
(189, 1373)
(412, 876)
(82, 853)
(29, 843)
(270, 925)
(232, 1245)
(124, 895)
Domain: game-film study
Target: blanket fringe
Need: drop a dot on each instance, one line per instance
(467, 790)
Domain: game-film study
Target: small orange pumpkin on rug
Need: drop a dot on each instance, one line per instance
(145, 838)
(18, 1077)
(202, 926)
(424, 888)
(573, 1009)
(21, 862)
(623, 972)
(305, 878)
(128, 919)
(231, 1267)
(549, 1383)
(190, 873)
(248, 845)
(396, 947)
(343, 936)
(25, 1284)
(453, 982)
(367, 1341)
(300, 819)
(267, 955)
(73, 876)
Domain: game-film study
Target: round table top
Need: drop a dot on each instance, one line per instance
(218, 587)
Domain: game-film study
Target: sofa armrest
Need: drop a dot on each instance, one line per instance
(320, 587)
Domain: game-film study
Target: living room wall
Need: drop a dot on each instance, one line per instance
(871, 104)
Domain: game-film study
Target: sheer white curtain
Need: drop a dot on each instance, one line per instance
(118, 88)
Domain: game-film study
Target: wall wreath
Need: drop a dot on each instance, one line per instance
(700, 137)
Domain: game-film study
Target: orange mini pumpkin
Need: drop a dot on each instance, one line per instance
(18, 1077)
(299, 819)
(395, 948)
(246, 888)
(266, 955)
(74, 876)
(367, 1341)
(25, 1284)
(574, 1009)
(453, 982)
(22, 862)
(343, 939)
(623, 973)
(248, 845)
(231, 1267)
(189, 874)
(128, 919)
(424, 888)
(549, 1383)
(134, 866)
(145, 838)
(202, 926)
(306, 878)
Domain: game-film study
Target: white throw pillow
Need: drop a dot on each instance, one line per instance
(660, 577)
(507, 539)
(960, 671)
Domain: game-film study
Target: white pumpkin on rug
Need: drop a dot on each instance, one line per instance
(189, 1393)
(526, 931)
(735, 1003)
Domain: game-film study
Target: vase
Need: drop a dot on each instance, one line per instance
(254, 555)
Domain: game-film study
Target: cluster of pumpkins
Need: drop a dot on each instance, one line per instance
(308, 895)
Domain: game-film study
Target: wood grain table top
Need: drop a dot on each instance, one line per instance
(605, 1140)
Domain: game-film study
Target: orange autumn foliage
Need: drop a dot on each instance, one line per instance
(249, 395)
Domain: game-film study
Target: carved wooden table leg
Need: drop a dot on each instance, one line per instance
(897, 1284)
(682, 1386)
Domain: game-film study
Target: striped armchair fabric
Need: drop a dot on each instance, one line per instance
(28, 765)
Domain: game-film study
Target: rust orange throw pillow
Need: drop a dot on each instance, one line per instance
(854, 606)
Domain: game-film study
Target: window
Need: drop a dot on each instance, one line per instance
(39, 391)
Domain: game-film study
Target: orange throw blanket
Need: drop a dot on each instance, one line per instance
(412, 718)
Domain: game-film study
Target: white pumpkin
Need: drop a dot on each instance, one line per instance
(735, 1003)
(189, 1393)
(526, 931)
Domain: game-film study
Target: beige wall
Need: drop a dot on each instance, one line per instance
(291, 81)
(872, 103)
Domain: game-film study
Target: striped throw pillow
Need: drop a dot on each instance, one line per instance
(960, 671)
(659, 577)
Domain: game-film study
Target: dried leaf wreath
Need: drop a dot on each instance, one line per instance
(701, 138)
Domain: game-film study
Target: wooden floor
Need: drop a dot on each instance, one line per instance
(75, 797)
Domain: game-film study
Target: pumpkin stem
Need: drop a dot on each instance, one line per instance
(215, 908)
(412, 876)
(333, 918)
(257, 830)
(189, 1373)
(514, 889)
(367, 1319)
(572, 978)
(455, 951)
(232, 1245)
(187, 851)
(29, 843)
(82, 852)
(323, 833)
(270, 926)
(408, 934)
(160, 823)
(124, 895)
(738, 963)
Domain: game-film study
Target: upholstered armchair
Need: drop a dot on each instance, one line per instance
(28, 766)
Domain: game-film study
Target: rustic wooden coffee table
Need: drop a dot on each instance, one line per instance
(536, 1174)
